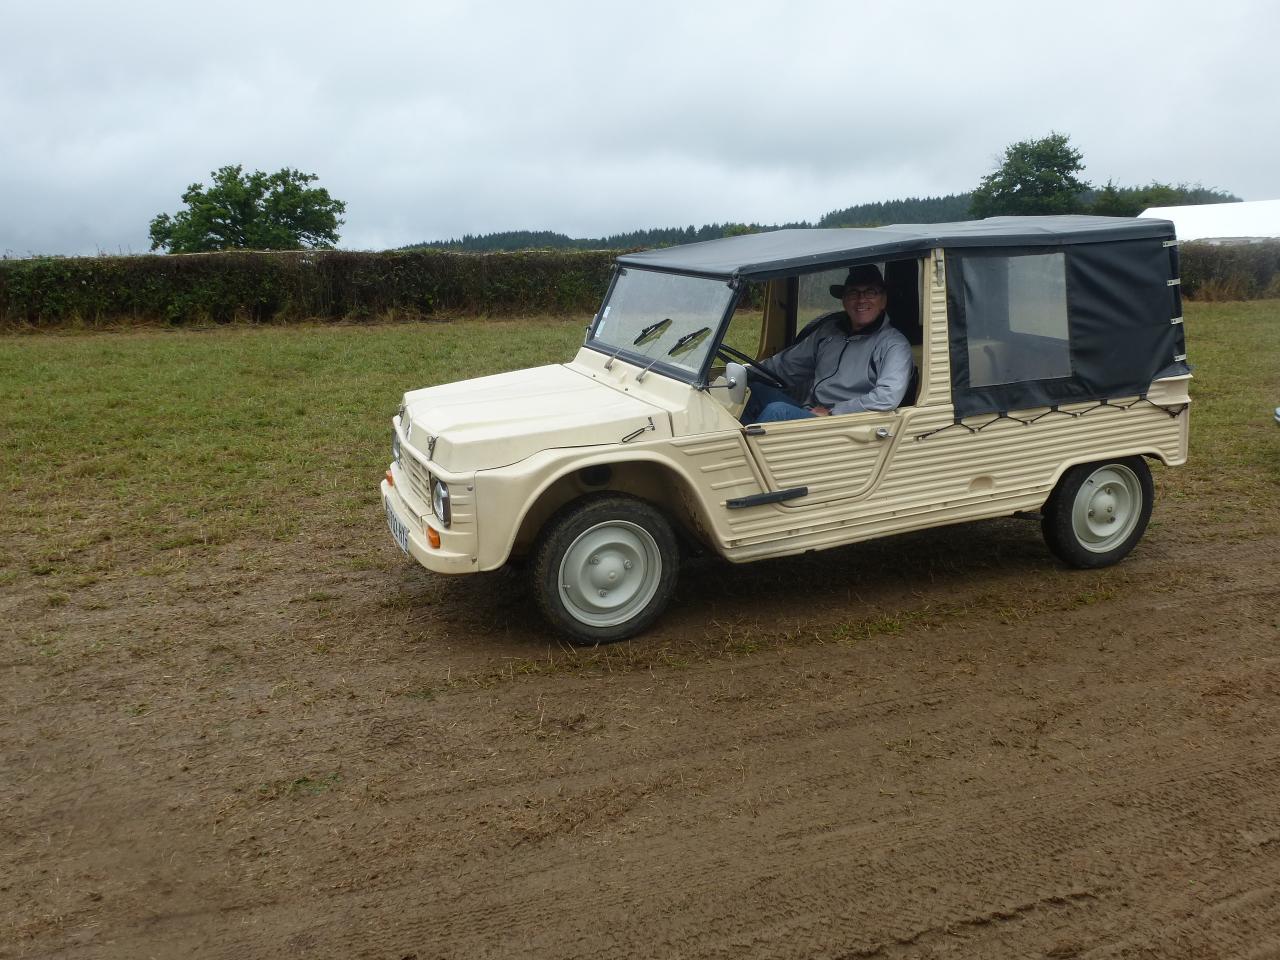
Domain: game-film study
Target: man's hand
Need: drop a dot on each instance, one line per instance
(820, 411)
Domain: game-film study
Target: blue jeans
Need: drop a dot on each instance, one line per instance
(768, 404)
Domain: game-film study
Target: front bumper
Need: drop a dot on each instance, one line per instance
(447, 558)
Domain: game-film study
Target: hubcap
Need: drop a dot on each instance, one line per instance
(610, 573)
(1106, 508)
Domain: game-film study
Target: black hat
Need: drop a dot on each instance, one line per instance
(867, 273)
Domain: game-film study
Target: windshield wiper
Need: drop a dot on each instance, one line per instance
(650, 331)
(688, 341)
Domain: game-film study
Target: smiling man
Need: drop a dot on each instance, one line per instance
(854, 360)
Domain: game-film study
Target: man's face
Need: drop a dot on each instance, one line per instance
(863, 303)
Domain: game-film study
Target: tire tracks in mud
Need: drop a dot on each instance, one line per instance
(851, 890)
(987, 862)
(1084, 779)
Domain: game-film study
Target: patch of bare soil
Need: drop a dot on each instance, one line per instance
(941, 745)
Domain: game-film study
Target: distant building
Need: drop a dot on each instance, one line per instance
(1246, 222)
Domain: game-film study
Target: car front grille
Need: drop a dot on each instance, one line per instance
(418, 477)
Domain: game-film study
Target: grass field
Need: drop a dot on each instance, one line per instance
(164, 443)
(162, 440)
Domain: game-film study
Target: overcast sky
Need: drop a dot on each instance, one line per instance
(435, 119)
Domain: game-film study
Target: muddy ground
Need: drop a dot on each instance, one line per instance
(939, 745)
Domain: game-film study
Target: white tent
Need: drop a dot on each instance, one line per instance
(1250, 220)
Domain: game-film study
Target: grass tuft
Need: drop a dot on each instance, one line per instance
(297, 788)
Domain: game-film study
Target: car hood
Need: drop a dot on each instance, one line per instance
(494, 421)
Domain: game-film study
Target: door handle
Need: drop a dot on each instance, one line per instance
(868, 434)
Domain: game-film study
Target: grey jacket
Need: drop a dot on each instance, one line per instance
(834, 367)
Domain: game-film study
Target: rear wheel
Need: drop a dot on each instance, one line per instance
(605, 568)
(1098, 512)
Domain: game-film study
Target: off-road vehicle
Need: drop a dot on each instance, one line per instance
(1050, 367)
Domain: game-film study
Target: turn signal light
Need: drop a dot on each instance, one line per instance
(433, 537)
(391, 481)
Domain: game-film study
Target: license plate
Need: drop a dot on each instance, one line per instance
(398, 529)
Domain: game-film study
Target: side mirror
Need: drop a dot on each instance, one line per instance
(736, 375)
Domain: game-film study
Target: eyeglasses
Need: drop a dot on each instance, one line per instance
(862, 293)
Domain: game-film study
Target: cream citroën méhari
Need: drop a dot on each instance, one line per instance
(1050, 366)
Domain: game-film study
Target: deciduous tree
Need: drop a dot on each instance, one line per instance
(254, 211)
(1036, 177)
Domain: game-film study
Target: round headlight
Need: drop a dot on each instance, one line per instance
(440, 502)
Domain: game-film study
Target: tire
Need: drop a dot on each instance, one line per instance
(605, 568)
(1098, 512)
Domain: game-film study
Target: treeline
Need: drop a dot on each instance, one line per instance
(1113, 201)
(948, 209)
(510, 240)
(334, 285)
(1110, 201)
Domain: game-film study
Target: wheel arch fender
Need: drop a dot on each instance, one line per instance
(1092, 459)
(645, 474)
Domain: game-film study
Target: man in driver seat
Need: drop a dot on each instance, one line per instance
(853, 360)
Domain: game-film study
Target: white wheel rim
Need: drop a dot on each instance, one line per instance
(609, 573)
(1106, 508)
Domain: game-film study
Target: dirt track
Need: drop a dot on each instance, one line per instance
(938, 745)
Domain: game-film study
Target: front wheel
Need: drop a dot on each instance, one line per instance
(1098, 512)
(605, 568)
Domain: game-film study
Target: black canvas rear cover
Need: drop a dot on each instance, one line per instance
(1120, 309)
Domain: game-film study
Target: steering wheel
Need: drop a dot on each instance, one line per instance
(726, 352)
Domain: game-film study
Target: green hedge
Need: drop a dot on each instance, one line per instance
(333, 285)
(1236, 271)
(284, 287)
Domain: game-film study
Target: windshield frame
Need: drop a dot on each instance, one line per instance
(696, 378)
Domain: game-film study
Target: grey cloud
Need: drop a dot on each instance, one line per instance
(437, 119)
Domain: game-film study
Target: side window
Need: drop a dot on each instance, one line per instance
(746, 326)
(1016, 314)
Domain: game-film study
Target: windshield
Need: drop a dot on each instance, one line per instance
(662, 316)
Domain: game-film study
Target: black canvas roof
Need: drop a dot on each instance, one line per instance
(761, 256)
